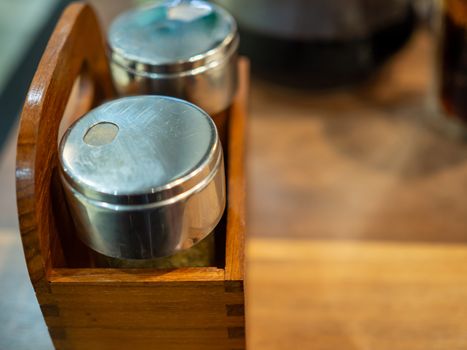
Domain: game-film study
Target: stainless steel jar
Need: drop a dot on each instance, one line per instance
(184, 49)
(143, 176)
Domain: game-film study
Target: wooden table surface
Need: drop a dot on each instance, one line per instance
(342, 295)
(356, 222)
(366, 195)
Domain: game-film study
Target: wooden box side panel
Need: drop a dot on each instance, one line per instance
(178, 315)
(236, 186)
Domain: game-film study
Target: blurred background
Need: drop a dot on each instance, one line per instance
(356, 175)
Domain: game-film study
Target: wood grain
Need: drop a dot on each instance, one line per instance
(98, 308)
(236, 210)
(110, 275)
(323, 295)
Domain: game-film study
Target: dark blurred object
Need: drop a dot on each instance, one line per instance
(425, 11)
(453, 47)
(322, 43)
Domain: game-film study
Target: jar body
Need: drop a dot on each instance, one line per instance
(148, 231)
(211, 88)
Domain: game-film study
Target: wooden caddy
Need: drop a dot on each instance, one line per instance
(99, 308)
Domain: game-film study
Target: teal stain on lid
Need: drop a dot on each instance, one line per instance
(170, 32)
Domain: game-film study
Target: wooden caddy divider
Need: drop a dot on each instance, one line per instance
(100, 308)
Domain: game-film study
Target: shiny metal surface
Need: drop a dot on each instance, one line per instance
(184, 49)
(315, 20)
(143, 176)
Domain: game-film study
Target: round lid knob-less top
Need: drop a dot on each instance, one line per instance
(138, 150)
(173, 36)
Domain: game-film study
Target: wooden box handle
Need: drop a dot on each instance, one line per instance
(76, 47)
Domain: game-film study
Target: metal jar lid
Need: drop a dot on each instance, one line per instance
(139, 173)
(185, 49)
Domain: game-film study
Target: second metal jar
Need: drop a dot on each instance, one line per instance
(184, 49)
